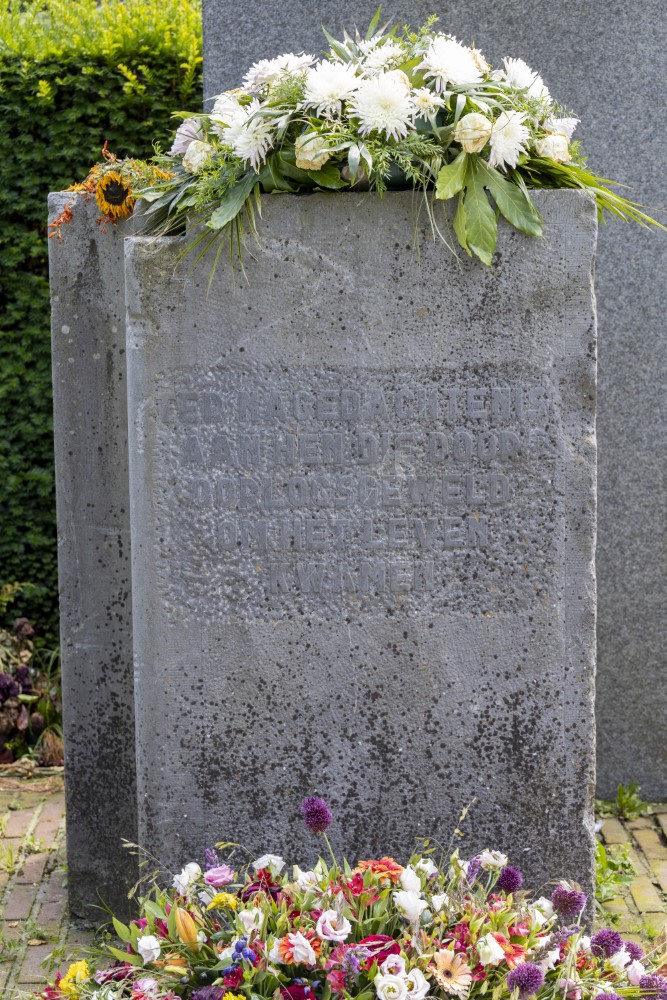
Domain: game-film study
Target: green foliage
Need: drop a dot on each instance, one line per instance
(628, 803)
(613, 870)
(72, 76)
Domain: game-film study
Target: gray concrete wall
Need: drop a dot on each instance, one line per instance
(606, 60)
(90, 418)
(363, 521)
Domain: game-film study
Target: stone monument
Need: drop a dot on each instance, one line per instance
(578, 50)
(363, 521)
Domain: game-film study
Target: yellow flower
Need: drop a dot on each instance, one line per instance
(113, 196)
(77, 974)
(233, 996)
(223, 900)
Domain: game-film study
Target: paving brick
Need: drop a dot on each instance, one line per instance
(55, 891)
(659, 873)
(31, 968)
(617, 905)
(662, 820)
(20, 902)
(641, 823)
(651, 844)
(18, 822)
(51, 915)
(33, 868)
(646, 896)
(613, 832)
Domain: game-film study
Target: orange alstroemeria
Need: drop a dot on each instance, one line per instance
(514, 953)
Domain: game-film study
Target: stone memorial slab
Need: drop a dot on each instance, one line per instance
(577, 49)
(90, 418)
(363, 522)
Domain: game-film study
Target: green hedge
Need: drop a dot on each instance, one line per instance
(72, 75)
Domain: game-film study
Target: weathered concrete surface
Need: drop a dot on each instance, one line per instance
(90, 418)
(578, 48)
(363, 521)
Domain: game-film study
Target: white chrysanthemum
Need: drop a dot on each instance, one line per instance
(519, 74)
(226, 111)
(267, 71)
(447, 61)
(562, 126)
(426, 102)
(383, 57)
(250, 137)
(508, 139)
(328, 85)
(383, 104)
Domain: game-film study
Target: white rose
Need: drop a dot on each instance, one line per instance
(634, 972)
(418, 985)
(196, 155)
(440, 901)
(427, 866)
(273, 862)
(410, 904)
(410, 880)
(492, 859)
(390, 987)
(489, 951)
(312, 151)
(186, 878)
(554, 147)
(303, 953)
(393, 966)
(332, 927)
(619, 961)
(148, 947)
(473, 131)
(251, 919)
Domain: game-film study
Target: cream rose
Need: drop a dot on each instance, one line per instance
(473, 131)
(554, 147)
(312, 151)
(196, 155)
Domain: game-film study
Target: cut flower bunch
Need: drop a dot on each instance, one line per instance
(394, 108)
(437, 927)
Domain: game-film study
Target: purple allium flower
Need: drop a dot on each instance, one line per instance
(8, 687)
(209, 993)
(526, 978)
(316, 814)
(510, 879)
(634, 950)
(568, 903)
(606, 943)
(653, 987)
(474, 866)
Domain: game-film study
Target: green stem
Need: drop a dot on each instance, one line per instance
(333, 856)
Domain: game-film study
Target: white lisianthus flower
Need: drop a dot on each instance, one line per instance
(275, 955)
(619, 961)
(189, 875)
(584, 945)
(427, 105)
(251, 919)
(508, 141)
(492, 859)
(301, 947)
(550, 960)
(383, 57)
(544, 907)
(149, 987)
(390, 987)
(267, 71)
(332, 927)
(186, 132)
(328, 85)
(394, 965)
(446, 61)
(383, 104)
(273, 862)
(251, 137)
(305, 880)
(148, 947)
(312, 151)
(440, 901)
(634, 972)
(417, 984)
(410, 880)
(427, 866)
(519, 74)
(554, 147)
(473, 131)
(410, 904)
(489, 951)
(562, 126)
(195, 158)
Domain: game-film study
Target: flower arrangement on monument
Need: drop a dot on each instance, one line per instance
(437, 927)
(393, 108)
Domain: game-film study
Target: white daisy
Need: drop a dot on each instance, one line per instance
(383, 104)
(383, 57)
(446, 61)
(508, 139)
(250, 137)
(328, 85)
(519, 74)
(265, 72)
(426, 102)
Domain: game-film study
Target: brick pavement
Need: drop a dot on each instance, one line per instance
(34, 923)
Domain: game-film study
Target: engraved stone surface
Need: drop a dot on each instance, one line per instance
(90, 417)
(363, 510)
(578, 49)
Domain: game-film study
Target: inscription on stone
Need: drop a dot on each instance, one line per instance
(311, 486)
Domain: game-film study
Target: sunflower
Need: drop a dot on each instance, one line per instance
(452, 972)
(113, 196)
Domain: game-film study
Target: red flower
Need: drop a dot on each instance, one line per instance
(380, 946)
(354, 887)
(234, 979)
(297, 991)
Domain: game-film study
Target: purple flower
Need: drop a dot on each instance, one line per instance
(608, 996)
(653, 987)
(606, 943)
(474, 866)
(634, 950)
(526, 978)
(209, 993)
(510, 879)
(22, 677)
(8, 687)
(186, 133)
(568, 903)
(211, 858)
(316, 814)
